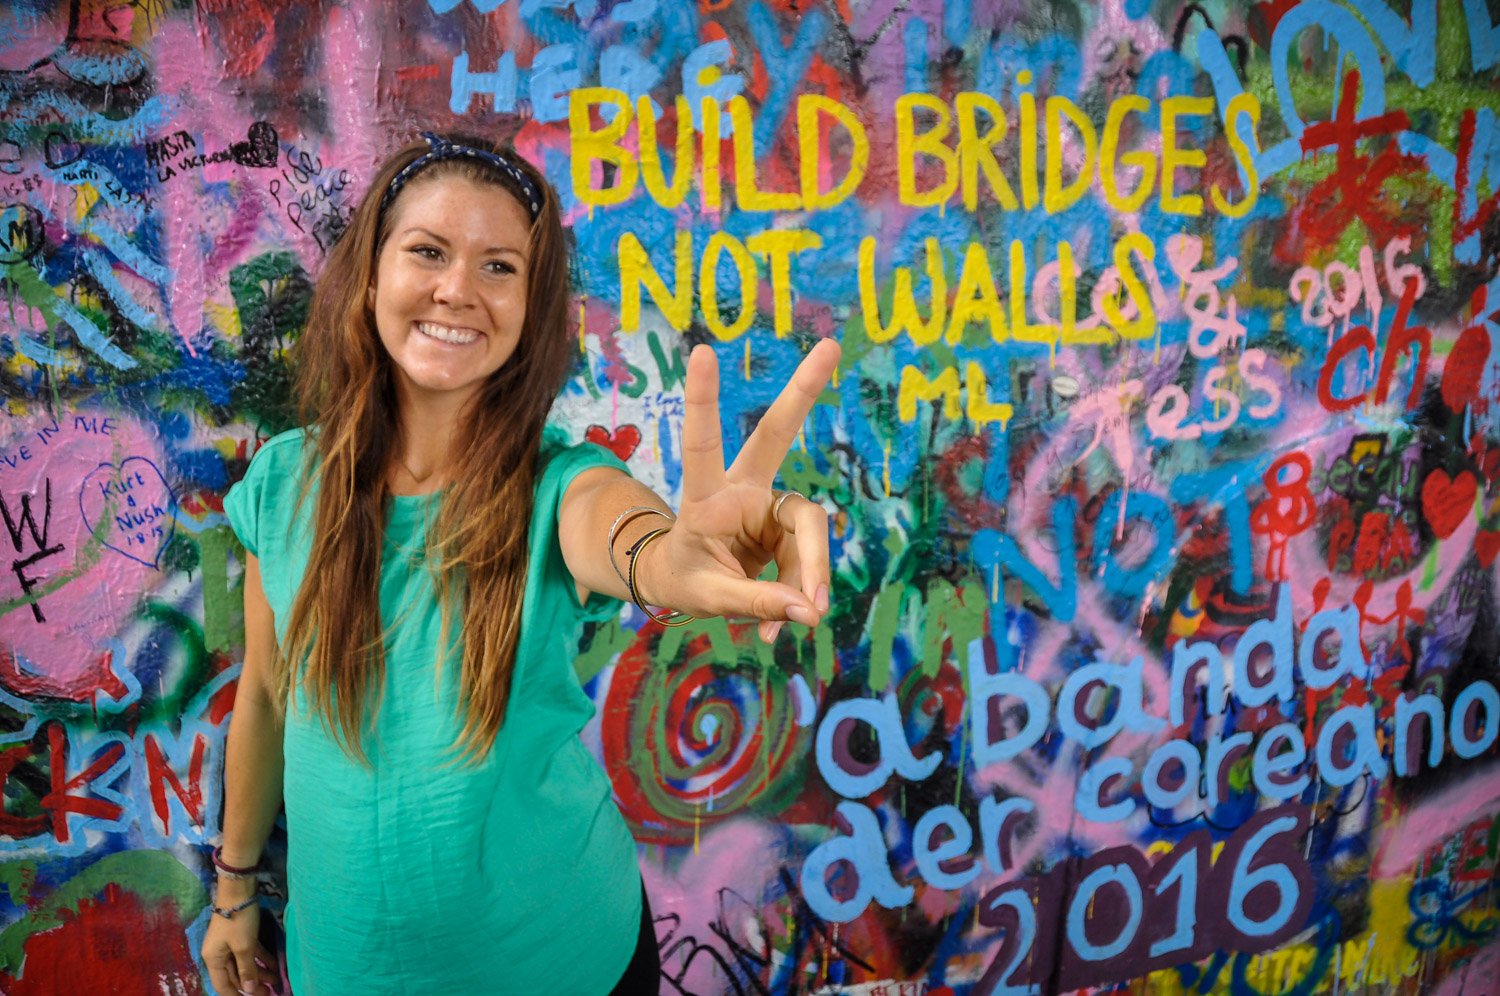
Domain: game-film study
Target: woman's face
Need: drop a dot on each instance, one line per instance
(450, 285)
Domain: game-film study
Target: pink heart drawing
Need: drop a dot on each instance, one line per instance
(74, 589)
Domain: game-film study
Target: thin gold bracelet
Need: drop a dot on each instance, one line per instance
(625, 517)
(674, 619)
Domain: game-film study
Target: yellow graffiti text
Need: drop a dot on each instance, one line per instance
(724, 252)
(1120, 305)
(943, 151)
(627, 143)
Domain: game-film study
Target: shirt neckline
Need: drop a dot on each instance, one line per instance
(410, 508)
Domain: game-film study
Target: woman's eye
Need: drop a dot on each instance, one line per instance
(501, 267)
(427, 252)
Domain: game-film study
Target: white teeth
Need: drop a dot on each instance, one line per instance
(443, 333)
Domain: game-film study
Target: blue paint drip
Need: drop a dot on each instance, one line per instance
(37, 353)
(957, 17)
(915, 40)
(98, 268)
(91, 336)
(130, 254)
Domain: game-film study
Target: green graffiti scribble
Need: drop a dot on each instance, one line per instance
(823, 653)
(218, 598)
(151, 875)
(726, 650)
(606, 642)
(18, 878)
(885, 619)
(636, 385)
(196, 670)
(956, 614)
(180, 555)
(944, 614)
(799, 472)
(820, 647)
(272, 294)
(671, 370)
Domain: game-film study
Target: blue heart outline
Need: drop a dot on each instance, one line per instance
(119, 471)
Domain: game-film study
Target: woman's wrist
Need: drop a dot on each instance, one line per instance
(235, 888)
(229, 907)
(651, 566)
(627, 529)
(234, 862)
(235, 874)
(636, 578)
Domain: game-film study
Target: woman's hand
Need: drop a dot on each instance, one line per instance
(731, 523)
(236, 961)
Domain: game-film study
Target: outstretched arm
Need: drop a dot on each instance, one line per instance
(731, 523)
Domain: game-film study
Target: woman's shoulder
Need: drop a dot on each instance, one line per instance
(280, 464)
(265, 498)
(284, 446)
(282, 457)
(560, 457)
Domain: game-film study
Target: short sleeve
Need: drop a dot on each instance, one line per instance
(242, 506)
(561, 465)
(248, 503)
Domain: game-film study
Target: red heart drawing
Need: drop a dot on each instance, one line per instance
(1486, 545)
(1448, 501)
(622, 442)
(1464, 369)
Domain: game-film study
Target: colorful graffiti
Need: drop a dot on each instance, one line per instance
(1163, 464)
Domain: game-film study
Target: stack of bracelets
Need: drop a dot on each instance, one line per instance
(671, 618)
(232, 872)
(627, 576)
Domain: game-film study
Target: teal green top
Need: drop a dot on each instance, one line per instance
(413, 874)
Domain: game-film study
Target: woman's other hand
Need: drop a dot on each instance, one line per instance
(236, 960)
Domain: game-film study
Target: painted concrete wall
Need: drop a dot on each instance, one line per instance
(1163, 656)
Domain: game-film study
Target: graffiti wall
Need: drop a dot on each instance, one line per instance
(1166, 485)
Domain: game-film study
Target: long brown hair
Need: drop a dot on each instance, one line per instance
(477, 543)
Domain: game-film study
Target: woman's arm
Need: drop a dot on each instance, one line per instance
(252, 796)
(590, 505)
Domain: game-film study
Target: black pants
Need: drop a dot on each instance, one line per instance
(643, 975)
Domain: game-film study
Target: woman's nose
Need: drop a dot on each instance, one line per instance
(454, 287)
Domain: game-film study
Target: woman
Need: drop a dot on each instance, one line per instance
(419, 559)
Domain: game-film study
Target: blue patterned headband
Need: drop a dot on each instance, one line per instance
(439, 148)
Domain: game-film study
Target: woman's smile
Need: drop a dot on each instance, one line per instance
(448, 334)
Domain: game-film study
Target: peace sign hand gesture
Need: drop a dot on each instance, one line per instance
(731, 523)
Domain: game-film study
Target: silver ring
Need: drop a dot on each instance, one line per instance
(781, 498)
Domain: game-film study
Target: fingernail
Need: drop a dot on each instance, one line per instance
(802, 614)
(773, 630)
(821, 598)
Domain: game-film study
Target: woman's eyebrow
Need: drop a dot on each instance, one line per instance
(489, 250)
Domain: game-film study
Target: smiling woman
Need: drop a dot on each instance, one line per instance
(450, 288)
(419, 559)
